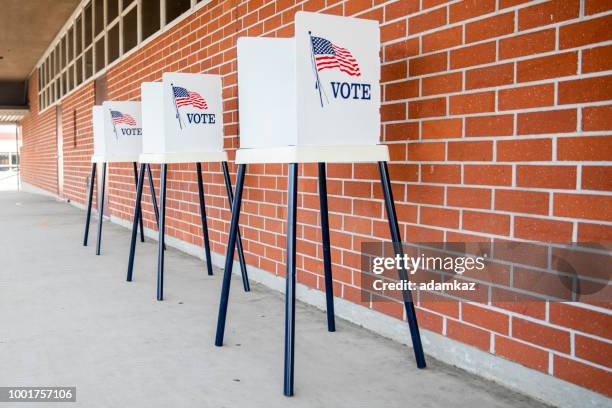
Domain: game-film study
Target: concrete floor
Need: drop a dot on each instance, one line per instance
(69, 318)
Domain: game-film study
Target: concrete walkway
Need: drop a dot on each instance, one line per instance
(69, 318)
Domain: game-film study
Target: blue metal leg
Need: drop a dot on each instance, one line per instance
(329, 288)
(140, 216)
(397, 245)
(230, 198)
(101, 209)
(137, 216)
(204, 221)
(162, 233)
(92, 183)
(229, 256)
(290, 280)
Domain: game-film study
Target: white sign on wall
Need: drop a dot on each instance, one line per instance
(117, 131)
(320, 88)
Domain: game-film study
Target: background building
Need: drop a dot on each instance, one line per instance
(497, 114)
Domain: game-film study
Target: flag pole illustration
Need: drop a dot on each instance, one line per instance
(316, 71)
(178, 116)
(114, 127)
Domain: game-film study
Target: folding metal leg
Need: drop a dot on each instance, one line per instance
(137, 216)
(397, 245)
(92, 182)
(329, 288)
(101, 209)
(230, 198)
(229, 256)
(140, 217)
(204, 221)
(162, 233)
(290, 279)
(153, 196)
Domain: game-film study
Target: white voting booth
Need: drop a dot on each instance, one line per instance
(315, 97)
(182, 123)
(312, 98)
(117, 137)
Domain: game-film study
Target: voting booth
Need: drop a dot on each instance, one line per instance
(117, 137)
(314, 98)
(182, 123)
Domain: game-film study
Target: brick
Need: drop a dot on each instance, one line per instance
(401, 8)
(420, 234)
(441, 173)
(585, 90)
(439, 40)
(395, 111)
(402, 49)
(468, 334)
(526, 97)
(502, 74)
(582, 374)
(521, 201)
(442, 128)
(585, 148)
(492, 175)
(402, 90)
(356, 6)
(491, 223)
(470, 151)
(491, 27)
(594, 350)
(469, 197)
(548, 13)
(472, 103)
(537, 229)
(596, 6)
(553, 66)
(597, 178)
(597, 118)
(428, 64)
(597, 59)
(495, 125)
(585, 32)
(469, 9)
(595, 233)
(527, 44)
(581, 319)
(510, 3)
(401, 131)
(585, 206)
(557, 177)
(473, 55)
(439, 217)
(397, 172)
(427, 21)
(541, 335)
(425, 194)
(522, 353)
(488, 319)
(555, 121)
(394, 71)
(524, 150)
(440, 84)
(427, 108)
(393, 31)
(426, 151)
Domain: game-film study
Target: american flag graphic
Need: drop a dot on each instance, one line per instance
(328, 55)
(183, 97)
(119, 118)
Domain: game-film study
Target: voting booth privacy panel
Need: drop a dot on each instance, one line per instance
(312, 98)
(117, 130)
(320, 88)
(182, 116)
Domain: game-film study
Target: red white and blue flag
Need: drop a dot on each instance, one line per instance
(184, 97)
(122, 118)
(329, 55)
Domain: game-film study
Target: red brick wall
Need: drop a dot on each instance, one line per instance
(497, 115)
